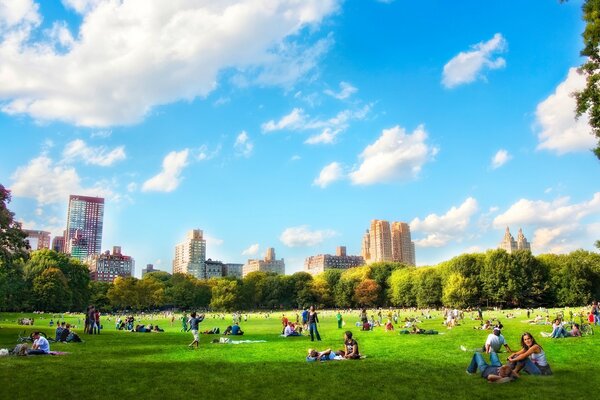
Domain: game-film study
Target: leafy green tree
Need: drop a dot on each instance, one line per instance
(322, 292)
(501, 277)
(122, 293)
(253, 290)
(367, 293)
(99, 295)
(225, 295)
(343, 292)
(149, 293)
(459, 291)
(381, 272)
(401, 291)
(51, 291)
(14, 293)
(428, 287)
(13, 243)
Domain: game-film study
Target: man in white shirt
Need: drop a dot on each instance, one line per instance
(495, 341)
(40, 345)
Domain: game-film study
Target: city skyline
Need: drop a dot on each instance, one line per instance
(306, 121)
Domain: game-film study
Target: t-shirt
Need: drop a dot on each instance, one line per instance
(495, 342)
(42, 344)
(235, 330)
(194, 323)
(490, 371)
(288, 331)
(305, 315)
(313, 318)
(351, 346)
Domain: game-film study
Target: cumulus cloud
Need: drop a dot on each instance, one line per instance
(441, 229)
(559, 131)
(395, 155)
(252, 250)
(243, 146)
(500, 158)
(346, 90)
(168, 179)
(129, 56)
(329, 174)
(560, 226)
(328, 136)
(49, 183)
(302, 236)
(78, 150)
(468, 66)
(293, 120)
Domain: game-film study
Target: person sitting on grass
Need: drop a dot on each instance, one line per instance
(388, 326)
(531, 358)
(350, 347)
(495, 341)
(574, 332)
(494, 372)
(236, 330)
(40, 345)
(227, 330)
(325, 355)
(59, 328)
(290, 331)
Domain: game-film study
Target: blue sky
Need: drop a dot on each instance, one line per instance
(292, 124)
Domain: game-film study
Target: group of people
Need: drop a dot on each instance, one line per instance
(64, 333)
(310, 321)
(92, 321)
(559, 330)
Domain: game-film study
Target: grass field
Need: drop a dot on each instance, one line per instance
(119, 364)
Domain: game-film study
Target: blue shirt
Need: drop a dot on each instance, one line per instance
(235, 330)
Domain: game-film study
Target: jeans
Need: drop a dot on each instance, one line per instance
(528, 366)
(312, 329)
(36, 352)
(478, 362)
(558, 332)
(597, 319)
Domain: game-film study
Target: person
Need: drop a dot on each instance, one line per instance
(339, 319)
(595, 312)
(236, 330)
(363, 316)
(531, 358)
(59, 329)
(325, 355)
(388, 326)
(495, 341)
(313, 320)
(574, 332)
(40, 345)
(494, 371)
(290, 331)
(305, 318)
(184, 321)
(284, 322)
(350, 347)
(194, 321)
(227, 330)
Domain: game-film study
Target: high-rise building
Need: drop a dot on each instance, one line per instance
(268, 264)
(106, 267)
(511, 245)
(38, 240)
(403, 248)
(84, 226)
(190, 256)
(320, 263)
(58, 243)
(383, 242)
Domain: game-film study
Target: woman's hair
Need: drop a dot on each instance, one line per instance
(533, 342)
(312, 353)
(576, 326)
(348, 334)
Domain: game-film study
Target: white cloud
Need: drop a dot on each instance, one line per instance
(132, 187)
(103, 134)
(329, 174)
(328, 136)
(560, 131)
(559, 225)
(302, 236)
(468, 66)
(48, 183)
(168, 179)
(394, 156)
(501, 158)
(203, 153)
(442, 229)
(252, 250)
(293, 120)
(346, 90)
(212, 241)
(129, 56)
(295, 157)
(79, 150)
(243, 146)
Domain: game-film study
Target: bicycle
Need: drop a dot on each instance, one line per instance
(586, 329)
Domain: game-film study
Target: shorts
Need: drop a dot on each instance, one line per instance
(195, 333)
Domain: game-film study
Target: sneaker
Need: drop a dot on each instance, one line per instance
(463, 348)
(469, 373)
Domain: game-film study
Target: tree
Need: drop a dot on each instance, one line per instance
(367, 292)
(428, 287)
(51, 291)
(14, 293)
(122, 293)
(99, 295)
(13, 243)
(588, 99)
(459, 291)
(225, 294)
(401, 287)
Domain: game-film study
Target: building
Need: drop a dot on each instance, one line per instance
(106, 267)
(190, 256)
(403, 248)
(511, 245)
(84, 226)
(38, 240)
(320, 263)
(234, 270)
(58, 244)
(149, 268)
(385, 242)
(214, 269)
(268, 264)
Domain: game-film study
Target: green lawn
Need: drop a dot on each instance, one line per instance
(118, 364)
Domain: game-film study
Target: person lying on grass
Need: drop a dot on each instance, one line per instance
(494, 372)
(325, 355)
(531, 358)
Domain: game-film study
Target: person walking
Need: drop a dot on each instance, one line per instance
(194, 321)
(313, 320)
(340, 321)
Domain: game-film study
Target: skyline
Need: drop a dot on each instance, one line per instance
(292, 125)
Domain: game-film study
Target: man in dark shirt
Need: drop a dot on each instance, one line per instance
(194, 321)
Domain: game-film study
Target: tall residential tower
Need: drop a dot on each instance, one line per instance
(190, 256)
(385, 242)
(84, 226)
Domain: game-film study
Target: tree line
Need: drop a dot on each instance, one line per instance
(51, 281)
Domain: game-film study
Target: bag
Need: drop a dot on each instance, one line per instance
(20, 349)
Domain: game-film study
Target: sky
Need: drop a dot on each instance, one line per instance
(292, 124)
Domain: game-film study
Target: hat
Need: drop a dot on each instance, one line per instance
(496, 329)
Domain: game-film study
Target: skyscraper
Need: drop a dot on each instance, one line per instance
(511, 245)
(84, 226)
(190, 255)
(384, 243)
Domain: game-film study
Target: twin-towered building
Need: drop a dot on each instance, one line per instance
(385, 242)
(511, 245)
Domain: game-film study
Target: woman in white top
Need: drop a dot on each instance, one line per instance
(531, 358)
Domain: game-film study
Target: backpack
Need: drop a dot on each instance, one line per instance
(73, 337)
